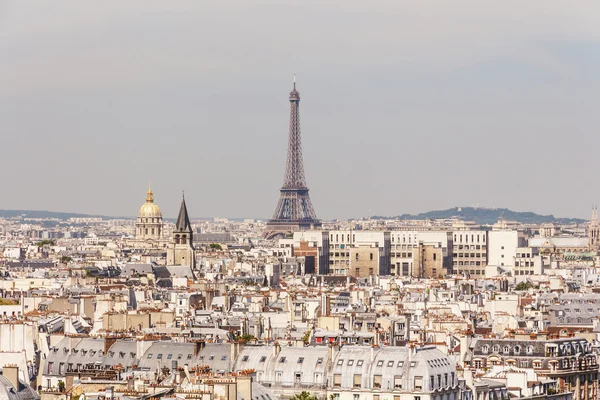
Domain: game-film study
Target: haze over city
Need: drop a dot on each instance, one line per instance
(406, 106)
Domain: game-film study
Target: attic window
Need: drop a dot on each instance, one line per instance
(380, 363)
(390, 363)
(400, 364)
(189, 356)
(359, 363)
(223, 358)
(412, 364)
(180, 356)
(340, 362)
(300, 360)
(158, 357)
(149, 356)
(282, 360)
(245, 358)
(211, 358)
(263, 359)
(169, 356)
(111, 353)
(319, 360)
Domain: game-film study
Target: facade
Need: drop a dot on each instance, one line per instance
(406, 253)
(502, 247)
(392, 373)
(528, 261)
(469, 253)
(571, 361)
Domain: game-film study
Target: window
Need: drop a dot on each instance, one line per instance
(319, 360)
(211, 358)
(149, 356)
(189, 356)
(350, 363)
(359, 363)
(282, 360)
(158, 357)
(400, 364)
(223, 358)
(356, 381)
(245, 358)
(397, 382)
(380, 363)
(169, 356)
(377, 381)
(337, 380)
(418, 383)
(413, 363)
(340, 362)
(390, 363)
(300, 360)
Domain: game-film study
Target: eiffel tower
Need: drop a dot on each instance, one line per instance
(294, 210)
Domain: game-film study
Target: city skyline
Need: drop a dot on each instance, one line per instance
(398, 117)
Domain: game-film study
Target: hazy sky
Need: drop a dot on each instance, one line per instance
(406, 106)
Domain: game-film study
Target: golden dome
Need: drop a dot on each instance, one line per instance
(149, 209)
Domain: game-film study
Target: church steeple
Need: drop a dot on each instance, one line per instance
(181, 251)
(183, 220)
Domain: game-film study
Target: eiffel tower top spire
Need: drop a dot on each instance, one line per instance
(294, 171)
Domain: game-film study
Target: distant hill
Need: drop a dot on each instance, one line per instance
(46, 214)
(487, 216)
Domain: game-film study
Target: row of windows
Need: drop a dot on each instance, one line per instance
(380, 363)
(179, 356)
(474, 238)
(149, 220)
(467, 255)
(505, 349)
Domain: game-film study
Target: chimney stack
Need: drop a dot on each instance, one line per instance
(276, 349)
(11, 372)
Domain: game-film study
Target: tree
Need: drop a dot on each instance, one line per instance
(306, 337)
(65, 260)
(216, 246)
(304, 395)
(523, 286)
(61, 386)
(246, 338)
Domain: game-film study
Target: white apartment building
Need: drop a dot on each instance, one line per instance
(469, 252)
(502, 247)
(404, 245)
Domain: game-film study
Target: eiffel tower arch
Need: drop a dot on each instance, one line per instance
(294, 210)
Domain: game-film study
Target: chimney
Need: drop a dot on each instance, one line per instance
(108, 342)
(276, 349)
(11, 372)
(407, 317)
(198, 346)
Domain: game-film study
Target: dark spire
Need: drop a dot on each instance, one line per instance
(183, 219)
